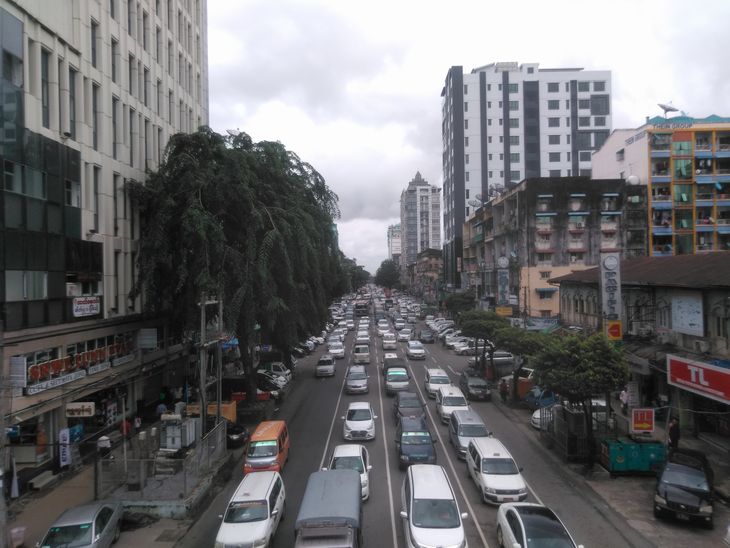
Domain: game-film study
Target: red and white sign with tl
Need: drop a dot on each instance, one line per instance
(701, 378)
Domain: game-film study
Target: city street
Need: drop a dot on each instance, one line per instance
(314, 409)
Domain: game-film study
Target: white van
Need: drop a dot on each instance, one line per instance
(254, 511)
(494, 471)
(448, 399)
(361, 354)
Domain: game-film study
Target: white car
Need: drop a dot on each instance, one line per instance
(435, 379)
(353, 457)
(277, 368)
(448, 399)
(494, 471)
(383, 329)
(456, 341)
(359, 422)
(399, 324)
(520, 520)
(415, 350)
(362, 339)
(405, 334)
(389, 342)
(336, 350)
(254, 511)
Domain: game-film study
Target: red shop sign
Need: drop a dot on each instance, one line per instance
(701, 378)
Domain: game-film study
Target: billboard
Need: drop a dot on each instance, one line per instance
(701, 378)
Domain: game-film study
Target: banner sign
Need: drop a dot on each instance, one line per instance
(53, 383)
(710, 381)
(86, 306)
(64, 450)
(18, 372)
(611, 285)
(642, 420)
(503, 287)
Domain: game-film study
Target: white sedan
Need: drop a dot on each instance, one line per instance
(405, 334)
(353, 457)
(336, 350)
(415, 350)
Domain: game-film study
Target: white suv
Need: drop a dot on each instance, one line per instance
(448, 400)
(494, 471)
(435, 379)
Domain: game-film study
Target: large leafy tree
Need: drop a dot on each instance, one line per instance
(524, 345)
(456, 303)
(579, 368)
(482, 325)
(248, 221)
(388, 274)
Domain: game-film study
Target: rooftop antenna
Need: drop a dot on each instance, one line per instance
(667, 107)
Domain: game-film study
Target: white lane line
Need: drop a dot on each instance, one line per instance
(452, 370)
(387, 460)
(534, 493)
(472, 513)
(332, 424)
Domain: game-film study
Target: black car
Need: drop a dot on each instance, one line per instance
(408, 404)
(474, 387)
(684, 488)
(236, 435)
(426, 336)
(414, 442)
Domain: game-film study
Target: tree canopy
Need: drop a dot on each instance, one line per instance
(388, 274)
(460, 302)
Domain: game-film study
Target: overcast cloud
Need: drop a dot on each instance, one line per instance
(354, 87)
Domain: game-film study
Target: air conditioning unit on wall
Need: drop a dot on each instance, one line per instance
(702, 346)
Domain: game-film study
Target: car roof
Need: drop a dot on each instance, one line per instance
(347, 450)
(254, 485)
(356, 369)
(359, 405)
(410, 424)
(429, 481)
(408, 394)
(467, 416)
(437, 372)
(491, 447)
(450, 390)
(82, 514)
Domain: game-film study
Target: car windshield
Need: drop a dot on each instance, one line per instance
(356, 376)
(262, 448)
(347, 463)
(477, 383)
(439, 380)
(499, 466)
(416, 438)
(435, 514)
(455, 401)
(473, 431)
(358, 415)
(397, 375)
(543, 528)
(410, 402)
(68, 536)
(246, 512)
(685, 477)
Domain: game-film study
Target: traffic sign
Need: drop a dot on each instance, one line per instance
(613, 330)
(642, 420)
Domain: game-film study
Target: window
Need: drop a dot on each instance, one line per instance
(466, 122)
(554, 173)
(132, 144)
(567, 122)
(145, 31)
(466, 106)
(584, 121)
(12, 177)
(500, 104)
(130, 17)
(45, 90)
(514, 139)
(158, 105)
(113, 9)
(553, 139)
(158, 44)
(553, 122)
(489, 121)
(115, 201)
(115, 54)
(72, 102)
(170, 58)
(466, 178)
(513, 88)
(94, 42)
(514, 122)
(530, 70)
(599, 86)
(170, 106)
(466, 141)
(553, 157)
(489, 104)
(584, 156)
(170, 15)
(553, 87)
(514, 175)
(490, 175)
(514, 105)
(584, 104)
(514, 158)
(466, 158)
(553, 104)
(115, 125)
(26, 285)
(466, 89)
(583, 86)
(130, 75)
(95, 116)
(599, 121)
(73, 194)
(95, 196)
(146, 86)
(489, 139)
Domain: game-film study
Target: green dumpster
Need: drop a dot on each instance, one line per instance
(653, 455)
(614, 455)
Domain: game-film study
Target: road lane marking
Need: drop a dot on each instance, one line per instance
(452, 370)
(472, 513)
(332, 424)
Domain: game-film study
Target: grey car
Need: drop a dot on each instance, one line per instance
(356, 380)
(94, 525)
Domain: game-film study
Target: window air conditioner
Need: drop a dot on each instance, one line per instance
(702, 346)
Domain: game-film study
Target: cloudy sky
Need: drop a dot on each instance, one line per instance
(354, 87)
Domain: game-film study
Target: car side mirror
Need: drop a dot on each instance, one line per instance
(342, 417)
(404, 514)
(370, 467)
(274, 512)
(220, 516)
(324, 469)
(375, 416)
(464, 515)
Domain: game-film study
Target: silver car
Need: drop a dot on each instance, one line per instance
(94, 525)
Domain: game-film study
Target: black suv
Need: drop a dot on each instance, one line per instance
(414, 443)
(426, 336)
(474, 387)
(684, 489)
(408, 404)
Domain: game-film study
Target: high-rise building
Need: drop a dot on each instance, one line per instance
(420, 219)
(394, 243)
(685, 163)
(90, 93)
(506, 122)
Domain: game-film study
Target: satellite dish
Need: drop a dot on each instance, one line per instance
(633, 180)
(667, 107)
(475, 203)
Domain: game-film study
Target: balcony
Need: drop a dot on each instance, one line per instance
(609, 243)
(576, 227)
(544, 247)
(576, 245)
(609, 226)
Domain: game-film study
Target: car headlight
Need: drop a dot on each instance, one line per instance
(490, 490)
(405, 458)
(659, 499)
(706, 509)
(347, 427)
(522, 491)
(261, 542)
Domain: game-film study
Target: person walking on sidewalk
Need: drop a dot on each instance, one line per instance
(673, 434)
(624, 397)
(503, 390)
(104, 446)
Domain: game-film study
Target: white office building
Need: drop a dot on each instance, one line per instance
(505, 122)
(394, 243)
(420, 219)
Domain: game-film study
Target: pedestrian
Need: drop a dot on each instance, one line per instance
(137, 424)
(125, 428)
(673, 434)
(624, 397)
(503, 390)
(104, 446)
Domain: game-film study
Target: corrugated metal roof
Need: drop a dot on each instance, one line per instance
(697, 271)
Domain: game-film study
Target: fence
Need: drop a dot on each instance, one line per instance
(148, 474)
(564, 429)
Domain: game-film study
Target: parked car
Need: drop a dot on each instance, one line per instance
(408, 404)
(353, 457)
(537, 397)
(236, 434)
(414, 443)
(336, 350)
(93, 525)
(415, 350)
(277, 368)
(435, 378)
(685, 489)
(519, 522)
(474, 386)
(426, 336)
(356, 380)
(359, 422)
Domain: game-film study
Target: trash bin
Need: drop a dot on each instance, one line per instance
(17, 537)
(614, 455)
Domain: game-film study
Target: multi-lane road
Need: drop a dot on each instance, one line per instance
(313, 411)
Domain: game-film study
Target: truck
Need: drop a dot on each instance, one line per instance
(331, 511)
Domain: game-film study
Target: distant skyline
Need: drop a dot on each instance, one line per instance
(356, 92)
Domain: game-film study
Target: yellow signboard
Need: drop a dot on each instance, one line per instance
(504, 311)
(614, 332)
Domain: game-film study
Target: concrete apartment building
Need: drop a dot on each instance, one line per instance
(91, 93)
(685, 164)
(420, 220)
(394, 243)
(505, 122)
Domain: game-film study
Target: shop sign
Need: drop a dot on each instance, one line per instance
(86, 306)
(147, 338)
(80, 409)
(116, 362)
(18, 371)
(504, 311)
(53, 383)
(99, 367)
(77, 432)
(503, 287)
(642, 420)
(611, 285)
(710, 381)
(64, 450)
